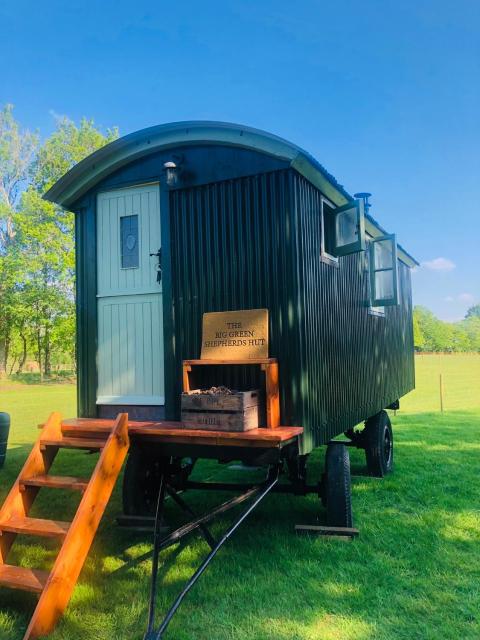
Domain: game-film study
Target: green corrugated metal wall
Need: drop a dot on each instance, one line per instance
(353, 363)
(255, 242)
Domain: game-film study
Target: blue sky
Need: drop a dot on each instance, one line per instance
(385, 94)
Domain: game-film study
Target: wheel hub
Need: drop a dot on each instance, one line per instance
(387, 446)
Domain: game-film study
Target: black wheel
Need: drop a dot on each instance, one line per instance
(337, 490)
(379, 445)
(141, 483)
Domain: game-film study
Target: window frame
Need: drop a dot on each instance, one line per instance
(384, 302)
(358, 245)
(379, 311)
(342, 250)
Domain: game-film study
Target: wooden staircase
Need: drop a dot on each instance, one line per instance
(56, 587)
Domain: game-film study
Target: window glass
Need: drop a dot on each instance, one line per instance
(383, 254)
(383, 285)
(347, 227)
(328, 221)
(383, 271)
(373, 310)
(129, 242)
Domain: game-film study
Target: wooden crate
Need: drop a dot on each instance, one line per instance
(239, 411)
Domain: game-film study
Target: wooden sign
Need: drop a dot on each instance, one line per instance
(235, 335)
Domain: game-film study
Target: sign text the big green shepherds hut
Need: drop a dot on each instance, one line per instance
(235, 335)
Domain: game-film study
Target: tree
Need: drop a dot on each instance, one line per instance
(438, 335)
(17, 149)
(16, 152)
(460, 339)
(418, 337)
(67, 146)
(50, 276)
(7, 312)
(36, 241)
(43, 247)
(471, 326)
(473, 312)
(463, 336)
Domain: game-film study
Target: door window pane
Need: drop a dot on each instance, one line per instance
(129, 242)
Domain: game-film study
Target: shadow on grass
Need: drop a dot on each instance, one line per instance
(411, 574)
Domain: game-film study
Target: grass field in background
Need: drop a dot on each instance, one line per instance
(461, 383)
(412, 574)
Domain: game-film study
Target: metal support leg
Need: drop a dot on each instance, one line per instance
(258, 493)
(150, 634)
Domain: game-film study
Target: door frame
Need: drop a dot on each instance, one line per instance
(86, 297)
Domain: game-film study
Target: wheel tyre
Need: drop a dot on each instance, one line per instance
(379, 445)
(338, 486)
(141, 483)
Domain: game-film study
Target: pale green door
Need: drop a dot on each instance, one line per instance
(129, 298)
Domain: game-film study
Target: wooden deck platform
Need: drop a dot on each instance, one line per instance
(174, 432)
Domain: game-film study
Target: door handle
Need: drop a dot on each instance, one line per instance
(158, 254)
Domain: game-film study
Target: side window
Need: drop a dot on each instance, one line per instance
(343, 229)
(328, 231)
(383, 268)
(129, 249)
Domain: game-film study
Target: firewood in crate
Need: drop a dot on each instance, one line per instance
(221, 409)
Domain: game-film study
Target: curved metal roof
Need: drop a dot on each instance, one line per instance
(87, 173)
(97, 166)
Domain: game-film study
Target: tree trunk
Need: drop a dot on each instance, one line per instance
(23, 357)
(12, 366)
(47, 358)
(3, 358)
(39, 354)
(4, 349)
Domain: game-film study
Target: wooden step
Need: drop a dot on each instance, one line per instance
(21, 578)
(55, 482)
(72, 443)
(35, 527)
(75, 547)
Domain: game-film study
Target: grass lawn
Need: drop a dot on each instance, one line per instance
(412, 574)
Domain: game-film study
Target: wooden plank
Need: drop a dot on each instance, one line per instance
(272, 396)
(239, 362)
(35, 527)
(55, 482)
(238, 421)
(237, 401)
(18, 502)
(256, 438)
(70, 560)
(71, 443)
(186, 368)
(31, 580)
(101, 426)
(172, 432)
